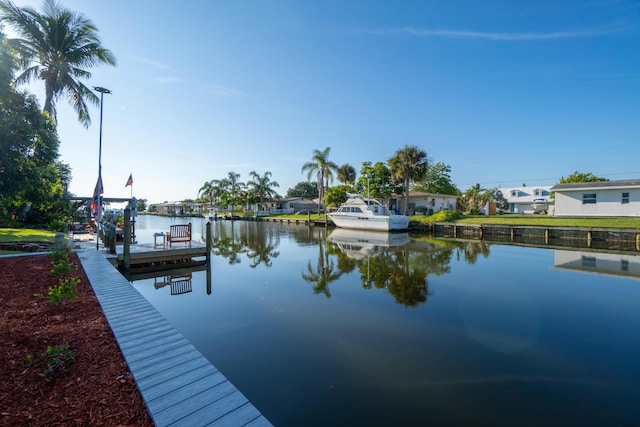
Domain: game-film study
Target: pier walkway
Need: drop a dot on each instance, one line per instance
(177, 383)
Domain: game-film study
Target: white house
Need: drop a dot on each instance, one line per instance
(427, 203)
(527, 200)
(606, 198)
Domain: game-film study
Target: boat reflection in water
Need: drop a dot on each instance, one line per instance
(358, 244)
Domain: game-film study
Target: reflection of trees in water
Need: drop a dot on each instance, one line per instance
(404, 270)
(470, 251)
(324, 272)
(244, 237)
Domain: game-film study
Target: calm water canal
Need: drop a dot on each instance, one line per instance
(328, 327)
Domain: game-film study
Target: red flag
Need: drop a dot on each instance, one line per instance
(129, 181)
(96, 202)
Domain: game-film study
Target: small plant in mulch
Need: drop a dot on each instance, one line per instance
(53, 361)
(61, 266)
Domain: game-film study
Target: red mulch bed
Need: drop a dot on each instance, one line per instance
(95, 388)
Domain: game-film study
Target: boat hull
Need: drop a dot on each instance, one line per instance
(376, 223)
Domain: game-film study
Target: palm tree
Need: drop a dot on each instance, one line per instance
(323, 168)
(475, 197)
(347, 174)
(58, 47)
(407, 165)
(262, 186)
(212, 189)
(232, 190)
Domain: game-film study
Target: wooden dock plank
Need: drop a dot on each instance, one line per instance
(169, 369)
(208, 399)
(177, 383)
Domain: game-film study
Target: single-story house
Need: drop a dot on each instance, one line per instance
(291, 204)
(604, 198)
(178, 208)
(527, 200)
(426, 203)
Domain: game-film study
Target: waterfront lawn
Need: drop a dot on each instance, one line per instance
(543, 220)
(25, 235)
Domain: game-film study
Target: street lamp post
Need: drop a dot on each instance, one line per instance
(102, 92)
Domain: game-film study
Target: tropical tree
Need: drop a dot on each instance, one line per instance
(476, 197)
(31, 179)
(337, 195)
(581, 177)
(232, 193)
(323, 168)
(303, 189)
(211, 190)
(437, 180)
(261, 187)
(347, 174)
(408, 165)
(498, 197)
(375, 181)
(58, 47)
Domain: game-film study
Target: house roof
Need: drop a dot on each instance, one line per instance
(525, 194)
(580, 186)
(423, 194)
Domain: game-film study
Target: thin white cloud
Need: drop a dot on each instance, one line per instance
(224, 91)
(466, 34)
(152, 62)
(167, 80)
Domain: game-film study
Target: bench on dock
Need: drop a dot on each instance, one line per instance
(179, 233)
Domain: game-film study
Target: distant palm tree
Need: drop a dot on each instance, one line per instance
(347, 174)
(262, 186)
(476, 196)
(58, 47)
(232, 193)
(409, 164)
(212, 189)
(323, 168)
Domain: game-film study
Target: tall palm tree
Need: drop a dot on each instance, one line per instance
(407, 165)
(58, 47)
(323, 168)
(232, 190)
(212, 189)
(262, 186)
(347, 174)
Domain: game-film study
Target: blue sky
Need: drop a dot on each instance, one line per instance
(506, 92)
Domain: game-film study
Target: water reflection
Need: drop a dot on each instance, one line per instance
(179, 280)
(394, 262)
(324, 272)
(616, 264)
(508, 333)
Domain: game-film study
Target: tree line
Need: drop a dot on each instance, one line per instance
(58, 47)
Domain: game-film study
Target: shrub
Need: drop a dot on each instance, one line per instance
(54, 360)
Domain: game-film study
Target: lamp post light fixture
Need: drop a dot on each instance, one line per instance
(102, 92)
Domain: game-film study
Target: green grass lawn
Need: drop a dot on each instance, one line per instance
(544, 220)
(26, 235)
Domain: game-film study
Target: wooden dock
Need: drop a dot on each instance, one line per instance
(177, 383)
(146, 258)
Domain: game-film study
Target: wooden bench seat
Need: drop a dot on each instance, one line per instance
(179, 233)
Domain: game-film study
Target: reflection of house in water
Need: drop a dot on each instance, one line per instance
(624, 265)
(180, 284)
(358, 244)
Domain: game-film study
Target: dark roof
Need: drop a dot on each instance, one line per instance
(597, 184)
